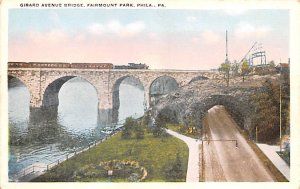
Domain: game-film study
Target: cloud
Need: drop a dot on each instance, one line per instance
(51, 37)
(245, 29)
(135, 27)
(191, 19)
(115, 27)
(96, 29)
(210, 37)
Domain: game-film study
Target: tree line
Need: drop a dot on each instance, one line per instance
(242, 69)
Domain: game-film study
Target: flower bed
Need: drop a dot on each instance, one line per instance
(114, 170)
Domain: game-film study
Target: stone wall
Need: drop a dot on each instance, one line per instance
(198, 97)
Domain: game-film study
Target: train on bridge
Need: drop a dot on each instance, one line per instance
(60, 65)
(75, 65)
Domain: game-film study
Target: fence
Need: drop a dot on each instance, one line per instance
(39, 168)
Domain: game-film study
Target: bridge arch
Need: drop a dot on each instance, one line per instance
(235, 107)
(198, 78)
(51, 91)
(116, 97)
(23, 81)
(162, 85)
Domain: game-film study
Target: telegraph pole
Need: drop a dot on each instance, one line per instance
(226, 59)
(280, 115)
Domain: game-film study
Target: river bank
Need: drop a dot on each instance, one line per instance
(153, 153)
(75, 125)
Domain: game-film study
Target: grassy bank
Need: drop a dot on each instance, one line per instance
(155, 154)
(182, 130)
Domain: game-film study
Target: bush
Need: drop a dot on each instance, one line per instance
(157, 130)
(174, 172)
(133, 128)
(165, 116)
(128, 126)
(140, 131)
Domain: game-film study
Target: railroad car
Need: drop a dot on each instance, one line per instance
(60, 65)
(92, 65)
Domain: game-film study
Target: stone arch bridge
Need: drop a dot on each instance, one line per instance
(44, 83)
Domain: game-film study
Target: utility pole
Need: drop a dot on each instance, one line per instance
(202, 162)
(226, 58)
(256, 135)
(280, 116)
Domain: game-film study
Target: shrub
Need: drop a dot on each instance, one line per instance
(128, 126)
(174, 172)
(133, 128)
(165, 116)
(140, 131)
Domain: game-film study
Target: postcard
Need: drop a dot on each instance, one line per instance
(155, 94)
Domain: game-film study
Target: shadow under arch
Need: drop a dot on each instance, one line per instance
(198, 78)
(115, 95)
(13, 81)
(160, 86)
(239, 110)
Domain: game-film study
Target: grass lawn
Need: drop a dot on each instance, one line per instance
(178, 128)
(155, 154)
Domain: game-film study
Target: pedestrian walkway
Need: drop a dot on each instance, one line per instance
(193, 169)
(34, 171)
(280, 164)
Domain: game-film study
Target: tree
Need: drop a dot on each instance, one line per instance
(128, 126)
(175, 171)
(165, 116)
(272, 63)
(146, 119)
(139, 131)
(235, 68)
(158, 128)
(133, 128)
(245, 69)
(287, 121)
(225, 69)
(267, 110)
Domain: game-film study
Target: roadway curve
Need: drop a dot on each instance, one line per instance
(222, 160)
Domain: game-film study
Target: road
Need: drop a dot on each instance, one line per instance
(222, 160)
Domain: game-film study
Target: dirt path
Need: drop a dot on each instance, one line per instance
(222, 160)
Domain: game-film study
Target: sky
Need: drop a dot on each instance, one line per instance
(192, 39)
